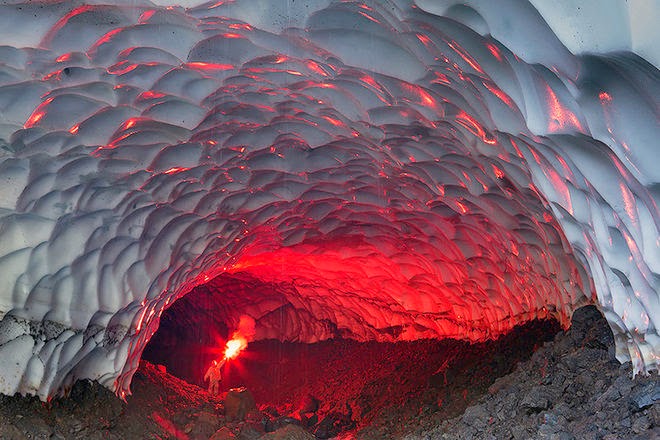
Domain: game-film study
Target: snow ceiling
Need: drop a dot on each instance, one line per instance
(390, 170)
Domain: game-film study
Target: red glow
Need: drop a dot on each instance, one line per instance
(567, 170)
(198, 65)
(240, 338)
(234, 347)
(121, 67)
(371, 81)
(126, 52)
(232, 35)
(367, 16)
(130, 123)
(469, 122)
(146, 15)
(64, 20)
(364, 268)
(127, 125)
(138, 326)
(605, 101)
(168, 426)
(63, 58)
(560, 117)
(514, 248)
(500, 94)
(55, 74)
(37, 114)
(515, 147)
(424, 39)
(314, 67)
(335, 122)
(628, 200)
(483, 184)
(423, 96)
(240, 26)
(495, 51)
(175, 170)
(559, 184)
(392, 273)
(468, 59)
(150, 94)
(440, 78)
(107, 37)
(605, 98)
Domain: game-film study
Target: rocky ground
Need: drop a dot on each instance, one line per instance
(570, 388)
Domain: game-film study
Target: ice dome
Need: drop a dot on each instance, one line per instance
(374, 170)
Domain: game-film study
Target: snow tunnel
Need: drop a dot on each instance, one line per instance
(369, 170)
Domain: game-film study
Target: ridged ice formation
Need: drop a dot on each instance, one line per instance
(377, 171)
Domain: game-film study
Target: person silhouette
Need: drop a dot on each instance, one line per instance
(214, 376)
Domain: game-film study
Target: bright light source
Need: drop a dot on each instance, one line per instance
(234, 347)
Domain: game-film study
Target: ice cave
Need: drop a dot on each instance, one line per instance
(378, 171)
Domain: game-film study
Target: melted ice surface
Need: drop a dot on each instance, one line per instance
(383, 170)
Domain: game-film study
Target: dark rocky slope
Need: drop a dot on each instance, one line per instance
(571, 388)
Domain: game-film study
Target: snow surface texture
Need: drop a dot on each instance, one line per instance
(385, 172)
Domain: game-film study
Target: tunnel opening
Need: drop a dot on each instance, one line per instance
(377, 315)
(377, 384)
(372, 260)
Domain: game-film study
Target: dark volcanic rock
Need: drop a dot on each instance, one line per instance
(239, 402)
(335, 423)
(571, 388)
(645, 397)
(589, 328)
(536, 400)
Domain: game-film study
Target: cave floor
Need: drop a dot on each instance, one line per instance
(569, 388)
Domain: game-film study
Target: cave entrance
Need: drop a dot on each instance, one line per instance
(376, 379)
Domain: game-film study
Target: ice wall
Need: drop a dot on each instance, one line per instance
(377, 170)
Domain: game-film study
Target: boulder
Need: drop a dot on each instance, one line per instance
(239, 402)
(645, 397)
(589, 328)
(536, 400)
